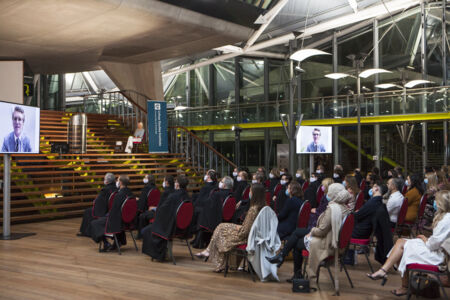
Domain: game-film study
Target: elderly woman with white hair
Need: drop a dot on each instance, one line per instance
(322, 239)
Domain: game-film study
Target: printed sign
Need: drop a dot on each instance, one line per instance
(157, 127)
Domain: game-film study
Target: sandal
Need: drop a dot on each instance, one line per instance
(378, 277)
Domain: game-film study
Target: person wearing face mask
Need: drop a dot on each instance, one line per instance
(282, 196)
(395, 200)
(300, 176)
(112, 223)
(244, 204)
(311, 192)
(338, 176)
(149, 184)
(414, 194)
(274, 178)
(155, 235)
(287, 218)
(352, 187)
(316, 212)
(149, 213)
(99, 206)
(240, 185)
(235, 175)
(211, 216)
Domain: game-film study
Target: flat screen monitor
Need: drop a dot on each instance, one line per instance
(20, 128)
(314, 139)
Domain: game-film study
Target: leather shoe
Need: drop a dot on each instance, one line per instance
(277, 259)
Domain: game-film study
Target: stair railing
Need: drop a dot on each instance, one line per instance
(201, 155)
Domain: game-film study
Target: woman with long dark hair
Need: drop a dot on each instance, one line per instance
(414, 194)
(227, 235)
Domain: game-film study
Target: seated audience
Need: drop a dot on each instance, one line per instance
(112, 223)
(300, 176)
(442, 181)
(200, 200)
(352, 187)
(227, 235)
(414, 194)
(316, 212)
(243, 205)
(395, 199)
(274, 177)
(310, 194)
(338, 174)
(149, 184)
(99, 206)
(155, 235)
(146, 216)
(288, 216)
(137, 137)
(421, 250)
(280, 198)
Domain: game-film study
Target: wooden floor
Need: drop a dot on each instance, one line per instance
(56, 264)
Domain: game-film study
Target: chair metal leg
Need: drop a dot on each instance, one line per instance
(227, 257)
(189, 247)
(368, 261)
(442, 287)
(408, 294)
(346, 273)
(134, 240)
(304, 267)
(331, 276)
(318, 273)
(170, 251)
(251, 270)
(117, 244)
(100, 246)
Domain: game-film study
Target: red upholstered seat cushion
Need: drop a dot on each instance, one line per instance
(408, 223)
(242, 247)
(305, 253)
(431, 268)
(360, 241)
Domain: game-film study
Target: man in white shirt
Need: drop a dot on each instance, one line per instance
(395, 200)
(138, 135)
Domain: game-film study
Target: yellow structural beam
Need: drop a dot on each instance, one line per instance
(336, 122)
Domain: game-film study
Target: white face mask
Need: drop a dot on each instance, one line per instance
(406, 182)
(298, 175)
(145, 180)
(221, 185)
(318, 171)
(271, 175)
(118, 184)
(239, 178)
(105, 183)
(282, 182)
(281, 173)
(312, 179)
(205, 178)
(164, 184)
(235, 174)
(335, 175)
(254, 181)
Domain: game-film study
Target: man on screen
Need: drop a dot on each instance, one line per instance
(315, 145)
(16, 141)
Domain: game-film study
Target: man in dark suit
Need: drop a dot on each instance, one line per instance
(100, 205)
(16, 141)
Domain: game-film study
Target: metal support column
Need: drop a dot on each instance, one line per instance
(211, 154)
(424, 76)
(445, 77)
(267, 149)
(188, 96)
(6, 196)
(237, 89)
(376, 102)
(291, 119)
(336, 150)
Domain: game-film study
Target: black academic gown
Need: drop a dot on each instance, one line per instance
(98, 209)
(281, 199)
(147, 215)
(211, 215)
(383, 233)
(363, 218)
(143, 203)
(155, 235)
(112, 222)
(273, 184)
(239, 214)
(311, 193)
(300, 181)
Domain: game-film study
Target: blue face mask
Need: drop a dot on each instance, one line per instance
(435, 206)
(425, 180)
(328, 198)
(370, 192)
(344, 183)
(250, 196)
(287, 192)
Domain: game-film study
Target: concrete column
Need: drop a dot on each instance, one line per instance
(143, 78)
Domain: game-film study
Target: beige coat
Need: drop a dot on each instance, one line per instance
(320, 245)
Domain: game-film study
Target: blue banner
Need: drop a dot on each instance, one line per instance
(157, 126)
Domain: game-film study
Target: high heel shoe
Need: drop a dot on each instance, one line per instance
(378, 277)
(277, 259)
(202, 256)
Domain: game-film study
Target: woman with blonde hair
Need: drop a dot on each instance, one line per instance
(352, 187)
(421, 250)
(431, 182)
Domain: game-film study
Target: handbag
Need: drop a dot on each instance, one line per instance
(423, 285)
(300, 285)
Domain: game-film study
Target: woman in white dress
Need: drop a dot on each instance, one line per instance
(421, 250)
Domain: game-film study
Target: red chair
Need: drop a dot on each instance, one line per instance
(277, 188)
(153, 197)
(363, 244)
(416, 223)
(319, 194)
(246, 193)
(359, 201)
(345, 234)
(401, 218)
(305, 185)
(362, 186)
(137, 144)
(404, 189)
(228, 208)
(111, 200)
(303, 215)
(185, 212)
(268, 198)
(425, 269)
(267, 183)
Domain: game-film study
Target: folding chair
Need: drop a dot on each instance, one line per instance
(228, 208)
(137, 145)
(111, 200)
(240, 250)
(362, 186)
(153, 197)
(268, 198)
(185, 212)
(416, 223)
(345, 234)
(303, 215)
(305, 185)
(425, 269)
(363, 244)
(246, 193)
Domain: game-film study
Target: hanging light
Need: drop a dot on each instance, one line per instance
(337, 76)
(370, 72)
(303, 54)
(413, 83)
(385, 86)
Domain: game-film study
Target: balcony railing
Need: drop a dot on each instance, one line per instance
(413, 101)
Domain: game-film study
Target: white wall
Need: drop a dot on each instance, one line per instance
(11, 81)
